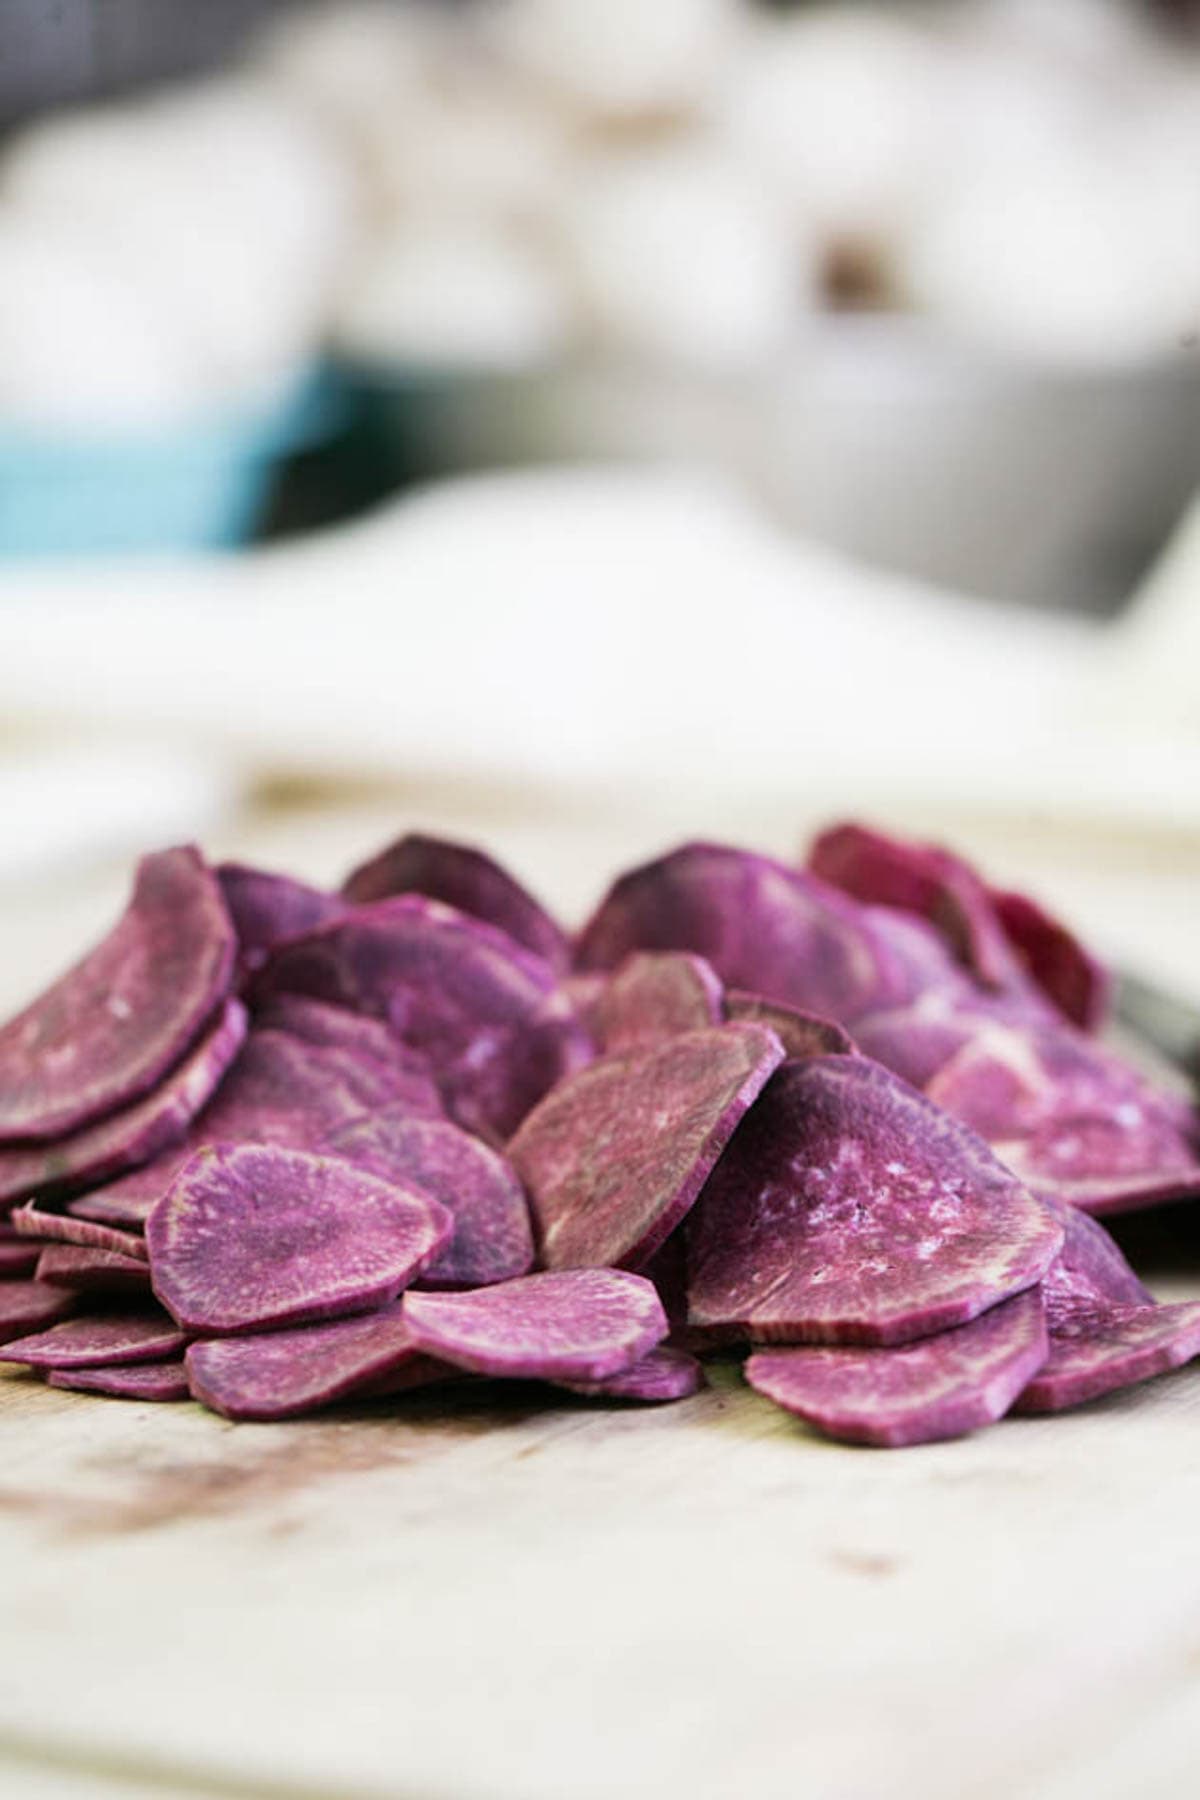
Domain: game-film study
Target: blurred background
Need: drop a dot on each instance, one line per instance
(579, 423)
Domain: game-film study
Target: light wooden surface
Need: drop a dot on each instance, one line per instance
(520, 1599)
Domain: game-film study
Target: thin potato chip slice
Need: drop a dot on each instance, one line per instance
(110, 1028)
(848, 1210)
(568, 1325)
(252, 1236)
(281, 1374)
(615, 1156)
(939, 1387)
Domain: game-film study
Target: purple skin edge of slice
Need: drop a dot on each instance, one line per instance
(106, 1382)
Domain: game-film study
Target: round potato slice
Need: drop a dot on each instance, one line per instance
(78, 1266)
(465, 878)
(136, 1134)
(95, 1342)
(939, 1387)
(665, 1374)
(802, 1034)
(281, 1374)
(268, 908)
(764, 927)
(614, 1156)
(250, 1236)
(493, 1239)
(655, 995)
(928, 881)
(848, 1210)
(158, 1381)
(110, 1028)
(282, 1089)
(1106, 1329)
(490, 1018)
(27, 1306)
(567, 1325)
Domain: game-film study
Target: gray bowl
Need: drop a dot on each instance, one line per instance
(873, 433)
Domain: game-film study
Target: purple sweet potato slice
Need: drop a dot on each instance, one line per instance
(73, 1266)
(566, 1325)
(161, 1381)
(283, 1086)
(1072, 1120)
(765, 928)
(802, 1034)
(916, 1041)
(136, 1134)
(656, 995)
(111, 1027)
(614, 1156)
(281, 1090)
(17, 1259)
(848, 1210)
(490, 1017)
(1097, 1347)
(921, 952)
(267, 909)
(47, 1227)
(939, 1387)
(279, 1374)
(493, 1238)
(1078, 983)
(466, 879)
(29, 1305)
(354, 1034)
(928, 881)
(1106, 1329)
(583, 991)
(1009, 941)
(1131, 1159)
(250, 1236)
(96, 1341)
(335, 1027)
(1091, 1262)
(664, 1374)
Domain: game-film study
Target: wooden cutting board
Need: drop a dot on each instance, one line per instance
(540, 1600)
(532, 1599)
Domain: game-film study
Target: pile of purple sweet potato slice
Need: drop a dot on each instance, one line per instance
(271, 1147)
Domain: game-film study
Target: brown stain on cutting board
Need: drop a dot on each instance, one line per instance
(874, 1565)
(257, 1467)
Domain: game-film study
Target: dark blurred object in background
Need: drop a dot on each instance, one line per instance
(56, 51)
(1185, 14)
(53, 52)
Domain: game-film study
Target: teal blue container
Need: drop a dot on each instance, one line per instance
(199, 486)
